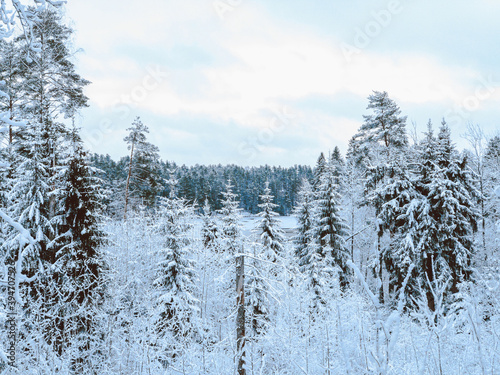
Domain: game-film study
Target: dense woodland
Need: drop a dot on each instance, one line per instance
(143, 267)
(199, 183)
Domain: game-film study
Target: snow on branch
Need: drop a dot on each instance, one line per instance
(25, 234)
(363, 282)
(10, 122)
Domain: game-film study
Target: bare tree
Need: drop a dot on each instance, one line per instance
(477, 140)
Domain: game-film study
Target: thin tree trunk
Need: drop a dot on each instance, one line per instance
(240, 318)
(380, 273)
(128, 181)
(352, 229)
(483, 220)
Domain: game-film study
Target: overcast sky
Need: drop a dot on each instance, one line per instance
(276, 82)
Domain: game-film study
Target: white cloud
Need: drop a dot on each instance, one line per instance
(255, 64)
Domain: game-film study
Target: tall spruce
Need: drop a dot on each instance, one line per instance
(176, 304)
(233, 246)
(331, 226)
(78, 267)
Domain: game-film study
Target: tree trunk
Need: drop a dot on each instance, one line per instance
(128, 181)
(429, 270)
(240, 318)
(380, 273)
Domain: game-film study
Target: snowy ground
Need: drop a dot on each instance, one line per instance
(249, 222)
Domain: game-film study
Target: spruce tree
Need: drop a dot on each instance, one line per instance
(79, 266)
(331, 227)
(318, 171)
(269, 248)
(230, 217)
(232, 244)
(268, 228)
(210, 231)
(492, 184)
(451, 193)
(257, 290)
(435, 220)
(305, 212)
(12, 79)
(176, 304)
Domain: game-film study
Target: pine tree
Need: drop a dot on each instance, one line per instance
(28, 207)
(385, 127)
(399, 215)
(142, 176)
(451, 193)
(53, 89)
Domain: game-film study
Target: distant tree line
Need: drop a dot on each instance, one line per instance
(200, 182)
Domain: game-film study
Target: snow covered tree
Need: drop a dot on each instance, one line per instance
(399, 213)
(305, 212)
(29, 210)
(435, 219)
(210, 230)
(269, 248)
(29, 197)
(53, 89)
(12, 73)
(491, 187)
(142, 176)
(382, 131)
(49, 90)
(319, 170)
(268, 228)
(232, 245)
(176, 304)
(230, 217)
(451, 193)
(258, 273)
(378, 148)
(77, 272)
(338, 162)
(477, 141)
(331, 227)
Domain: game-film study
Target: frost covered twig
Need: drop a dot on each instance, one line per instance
(390, 326)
